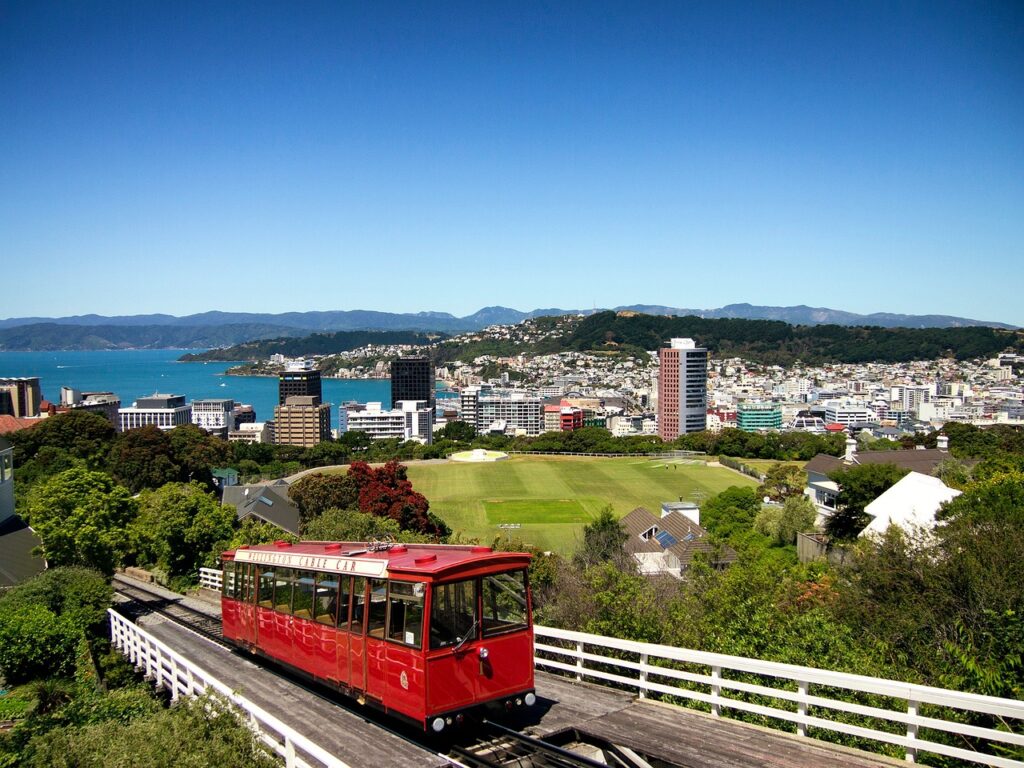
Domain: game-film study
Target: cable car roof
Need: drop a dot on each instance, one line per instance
(376, 560)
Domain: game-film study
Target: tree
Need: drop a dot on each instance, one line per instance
(782, 523)
(353, 525)
(859, 485)
(386, 491)
(197, 453)
(457, 431)
(178, 525)
(143, 458)
(604, 540)
(326, 454)
(355, 440)
(35, 643)
(317, 492)
(82, 434)
(953, 473)
(731, 513)
(80, 595)
(782, 481)
(82, 518)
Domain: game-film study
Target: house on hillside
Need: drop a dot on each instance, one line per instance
(911, 504)
(268, 502)
(668, 544)
(823, 491)
(17, 539)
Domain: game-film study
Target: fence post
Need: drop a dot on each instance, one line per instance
(716, 690)
(643, 675)
(289, 753)
(913, 708)
(579, 660)
(803, 687)
(174, 679)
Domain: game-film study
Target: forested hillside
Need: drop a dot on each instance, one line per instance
(775, 342)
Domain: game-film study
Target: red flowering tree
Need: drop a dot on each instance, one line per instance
(387, 492)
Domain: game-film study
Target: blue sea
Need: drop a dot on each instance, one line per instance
(131, 374)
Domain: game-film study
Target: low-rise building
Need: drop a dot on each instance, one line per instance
(668, 544)
(412, 420)
(758, 416)
(258, 432)
(216, 416)
(107, 404)
(162, 411)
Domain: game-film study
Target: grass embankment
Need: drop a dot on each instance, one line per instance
(553, 497)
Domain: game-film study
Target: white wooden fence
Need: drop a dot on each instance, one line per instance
(179, 676)
(802, 696)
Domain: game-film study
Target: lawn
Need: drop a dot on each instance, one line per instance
(553, 497)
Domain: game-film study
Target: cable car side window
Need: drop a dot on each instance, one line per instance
(378, 608)
(265, 593)
(227, 580)
(405, 613)
(326, 601)
(302, 595)
(283, 578)
(453, 616)
(504, 601)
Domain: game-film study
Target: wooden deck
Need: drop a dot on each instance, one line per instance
(680, 736)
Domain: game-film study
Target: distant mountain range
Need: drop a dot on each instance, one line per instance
(226, 328)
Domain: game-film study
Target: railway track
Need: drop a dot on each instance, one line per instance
(143, 601)
(502, 747)
(490, 745)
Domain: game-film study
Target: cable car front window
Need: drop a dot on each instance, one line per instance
(453, 613)
(505, 604)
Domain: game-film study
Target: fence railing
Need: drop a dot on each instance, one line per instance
(181, 677)
(804, 695)
(799, 695)
(210, 578)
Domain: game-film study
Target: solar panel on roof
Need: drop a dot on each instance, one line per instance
(689, 537)
(666, 539)
(266, 501)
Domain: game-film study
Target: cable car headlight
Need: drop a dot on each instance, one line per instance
(437, 724)
(530, 699)
(484, 653)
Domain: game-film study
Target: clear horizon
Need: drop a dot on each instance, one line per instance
(181, 157)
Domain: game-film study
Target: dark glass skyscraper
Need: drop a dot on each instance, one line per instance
(304, 383)
(412, 378)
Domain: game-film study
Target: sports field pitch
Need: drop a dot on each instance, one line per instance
(553, 497)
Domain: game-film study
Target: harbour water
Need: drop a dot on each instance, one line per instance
(131, 374)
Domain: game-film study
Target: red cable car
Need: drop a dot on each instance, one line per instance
(422, 631)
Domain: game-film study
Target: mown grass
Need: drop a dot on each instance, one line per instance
(553, 497)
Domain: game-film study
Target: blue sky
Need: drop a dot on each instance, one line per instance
(179, 157)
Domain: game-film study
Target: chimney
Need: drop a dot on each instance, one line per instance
(942, 442)
(851, 449)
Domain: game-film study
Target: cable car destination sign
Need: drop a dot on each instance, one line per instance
(375, 568)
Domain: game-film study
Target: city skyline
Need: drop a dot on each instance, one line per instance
(864, 158)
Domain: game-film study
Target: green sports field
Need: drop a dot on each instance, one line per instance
(553, 497)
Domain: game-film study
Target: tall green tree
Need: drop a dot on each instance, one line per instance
(317, 492)
(143, 458)
(82, 518)
(603, 541)
(178, 525)
(81, 434)
(197, 453)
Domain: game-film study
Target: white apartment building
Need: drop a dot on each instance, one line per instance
(412, 420)
(216, 416)
(522, 412)
(251, 432)
(162, 411)
(847, 412)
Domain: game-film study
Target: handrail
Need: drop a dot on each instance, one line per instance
(179, 676)
(584, 659)
(585, 656)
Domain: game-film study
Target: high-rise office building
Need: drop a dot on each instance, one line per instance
(303, 420)
(412, 378)
(299, 379)
(682, 389)
(162, 411)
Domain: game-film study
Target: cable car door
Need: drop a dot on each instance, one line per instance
(376, 647)
(357, 637)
